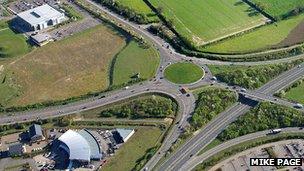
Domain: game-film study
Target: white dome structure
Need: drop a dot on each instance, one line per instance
(80, 145)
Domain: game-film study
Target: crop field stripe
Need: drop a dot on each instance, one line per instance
(259, 39)
(278, 8)
(202, 27)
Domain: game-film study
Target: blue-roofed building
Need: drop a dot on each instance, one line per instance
(35, 133)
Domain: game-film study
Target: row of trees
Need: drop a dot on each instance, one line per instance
(254, 77)
(143, 108)
(265, 116)
(211, 102)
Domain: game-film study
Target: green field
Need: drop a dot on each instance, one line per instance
(183, 73)
(62, 69)
(72, 67)
(278, 8)
(139, 6)
(136, 6)
(132, 60)
(11, 44)
(126, 157)
(201, 21)
(260, 39)
(296, 94)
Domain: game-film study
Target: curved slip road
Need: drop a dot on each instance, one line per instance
(191, 164)
(158, 85)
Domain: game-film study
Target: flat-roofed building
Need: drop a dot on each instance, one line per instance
(16, 149)
(41, 39)
(39, 18)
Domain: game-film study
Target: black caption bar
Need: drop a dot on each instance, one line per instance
(276, 162)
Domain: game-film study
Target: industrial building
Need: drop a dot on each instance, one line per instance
(80, 145)
(35, 133)
(39, 18)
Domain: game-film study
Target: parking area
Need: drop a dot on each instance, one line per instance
(56, 33)
(7, 140)
(73, 28)
(281, 149)
(24, 5)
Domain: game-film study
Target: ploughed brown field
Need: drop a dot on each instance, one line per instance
(295, 36)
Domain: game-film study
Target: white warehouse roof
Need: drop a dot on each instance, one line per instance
(79, 148)
(40, 14)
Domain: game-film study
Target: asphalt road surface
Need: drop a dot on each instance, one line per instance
(199, 141)
(249, 137)
(160, 85)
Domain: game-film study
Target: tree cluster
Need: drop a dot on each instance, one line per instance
(144, 108)
(265, 116)
(254, 77)
(210, 103)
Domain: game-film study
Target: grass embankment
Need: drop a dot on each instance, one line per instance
(183, 73)
(71, 12)
(296, 92)
(136, 147)
(140, 7)
(280, 9)
(260, 39)
(200, 21)
(59, 70)
(250, 77)
(132, 60)
(12, 44)
(134, 10)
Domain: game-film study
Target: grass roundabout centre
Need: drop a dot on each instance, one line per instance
(183, 73)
